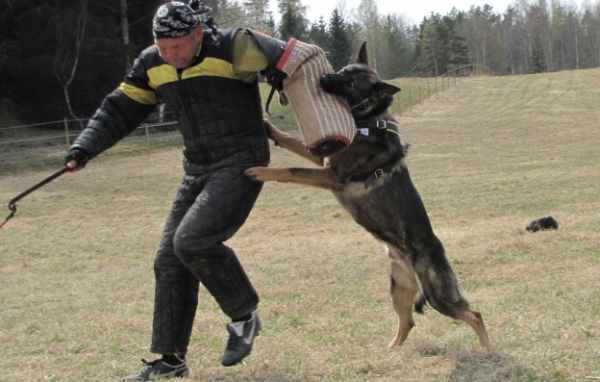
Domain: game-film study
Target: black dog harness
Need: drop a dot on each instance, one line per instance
(364, 127)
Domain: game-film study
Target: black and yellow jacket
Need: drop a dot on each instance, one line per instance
(216, 101)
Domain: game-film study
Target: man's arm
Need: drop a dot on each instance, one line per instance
(256, 52)
(119, 114)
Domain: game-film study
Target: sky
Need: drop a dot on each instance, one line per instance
(415, 10)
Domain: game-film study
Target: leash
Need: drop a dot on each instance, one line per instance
(275, 79)
(269, 102)
(12, 204)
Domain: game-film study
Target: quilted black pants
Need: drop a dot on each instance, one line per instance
(208, 210)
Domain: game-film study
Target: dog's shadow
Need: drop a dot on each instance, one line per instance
(478, 365)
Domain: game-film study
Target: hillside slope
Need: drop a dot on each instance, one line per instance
(488, 156)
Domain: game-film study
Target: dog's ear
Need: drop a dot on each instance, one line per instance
(363, 58)
(383, 88)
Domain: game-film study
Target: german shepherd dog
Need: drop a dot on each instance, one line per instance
(371, 181)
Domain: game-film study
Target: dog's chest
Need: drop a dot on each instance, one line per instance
(363, 156)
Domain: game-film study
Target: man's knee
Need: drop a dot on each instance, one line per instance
(190, 248)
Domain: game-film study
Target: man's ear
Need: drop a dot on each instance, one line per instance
(199, 33)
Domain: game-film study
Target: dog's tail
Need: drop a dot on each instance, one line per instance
(420, 304)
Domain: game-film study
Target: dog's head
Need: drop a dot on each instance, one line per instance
(360, 84)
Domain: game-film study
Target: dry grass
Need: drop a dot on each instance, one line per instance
(76, 280)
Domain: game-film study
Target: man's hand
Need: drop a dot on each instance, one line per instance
(76, 159)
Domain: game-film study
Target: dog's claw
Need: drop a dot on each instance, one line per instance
(250, 174)
(253, 173)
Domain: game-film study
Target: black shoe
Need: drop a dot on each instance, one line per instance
(241, 338)
(157, 370)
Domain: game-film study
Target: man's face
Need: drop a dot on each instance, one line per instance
(180, 52)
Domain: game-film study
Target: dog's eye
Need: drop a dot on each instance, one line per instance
(352, 85)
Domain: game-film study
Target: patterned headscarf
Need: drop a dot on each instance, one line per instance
(174, 19)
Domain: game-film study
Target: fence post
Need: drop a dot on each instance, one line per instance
(428, 92)
(68, 140)
(147, 137)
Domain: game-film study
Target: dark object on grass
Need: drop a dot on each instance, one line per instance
(542, 224)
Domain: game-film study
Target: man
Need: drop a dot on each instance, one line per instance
(209, 80)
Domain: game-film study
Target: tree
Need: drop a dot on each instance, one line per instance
(338, 43)
(259, 16)
(589, 40)
(397, 62)
(293, 23)
(318, 34)
(541, 33)
(538, 61)
(440, 48)
(296, 5)
(355, 33)
(368, 17)
(125, 32)
(70, 32)
(482, 31)
(229, 14)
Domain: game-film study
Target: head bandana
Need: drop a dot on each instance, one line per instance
(174, 19)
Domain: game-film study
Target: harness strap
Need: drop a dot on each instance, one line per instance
(377, 124)
(381, 124)
(371, 177)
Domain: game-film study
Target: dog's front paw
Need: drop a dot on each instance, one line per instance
(270, 129)
(273, 133)
(256, 173)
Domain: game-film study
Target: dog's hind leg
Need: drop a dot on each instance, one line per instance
(474, 319)
(445, 295)
(405, 289)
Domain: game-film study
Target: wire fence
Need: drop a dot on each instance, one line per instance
(43, 146)
(415, 90)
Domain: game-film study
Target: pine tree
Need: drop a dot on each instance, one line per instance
(258, 15)
(397, 62)
(318, 34)
(538, 61)
(440, 48)
(339, 45)
(292, 24)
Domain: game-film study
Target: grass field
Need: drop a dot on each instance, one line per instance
(488, 156)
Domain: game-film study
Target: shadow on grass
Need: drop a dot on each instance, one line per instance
(270, 376)
(480, 365)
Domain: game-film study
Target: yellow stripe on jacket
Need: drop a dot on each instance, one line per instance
(248, 59)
